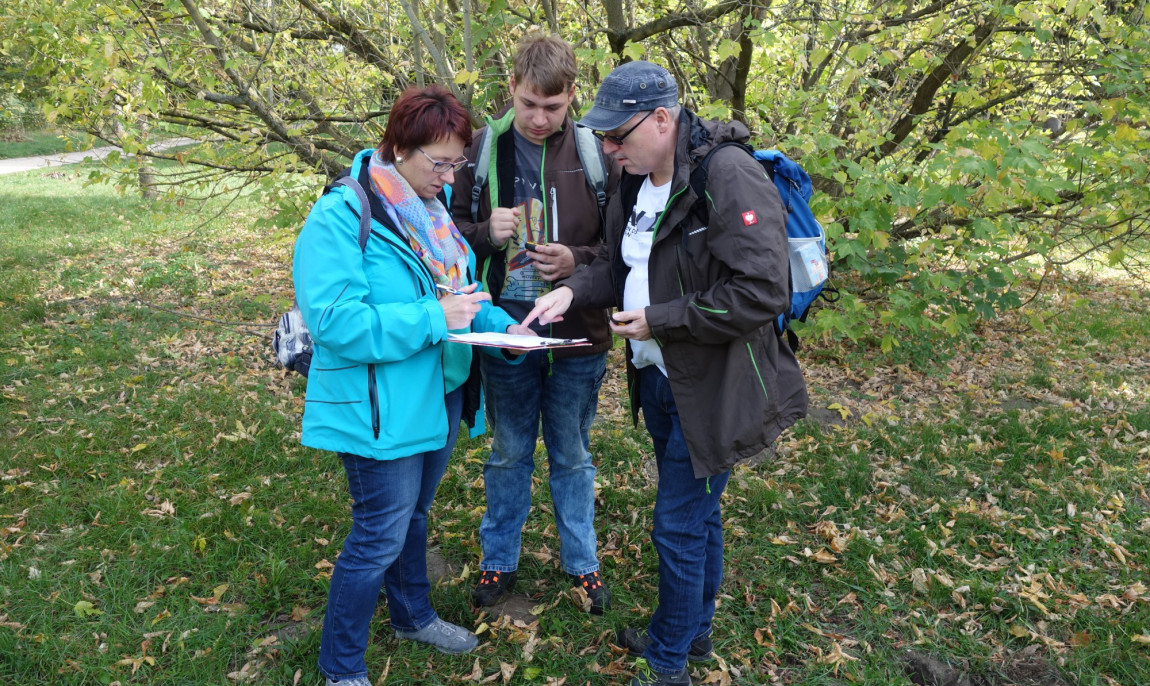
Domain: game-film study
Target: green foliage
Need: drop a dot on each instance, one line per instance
(964, 153)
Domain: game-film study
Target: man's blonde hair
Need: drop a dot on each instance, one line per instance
(545, 63)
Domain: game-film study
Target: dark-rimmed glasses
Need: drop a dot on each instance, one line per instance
(618, 140)
(442, 167)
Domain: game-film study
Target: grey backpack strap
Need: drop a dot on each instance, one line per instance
(364, 209)
(482, 166)
(594, 168)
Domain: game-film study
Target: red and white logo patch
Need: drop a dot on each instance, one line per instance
(749, 218)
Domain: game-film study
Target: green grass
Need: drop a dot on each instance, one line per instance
(39, 143)
(160, 523)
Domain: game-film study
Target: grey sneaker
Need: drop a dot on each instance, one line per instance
(443, 636)
(358, 681)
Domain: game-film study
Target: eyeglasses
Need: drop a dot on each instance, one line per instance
(441, 167)
(618, 140)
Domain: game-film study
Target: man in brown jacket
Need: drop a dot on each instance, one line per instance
(537, 218)
(698, 299)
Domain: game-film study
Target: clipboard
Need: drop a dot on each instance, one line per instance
(514, 341)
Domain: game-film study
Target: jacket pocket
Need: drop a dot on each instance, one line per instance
(373, 400)
(409, 398)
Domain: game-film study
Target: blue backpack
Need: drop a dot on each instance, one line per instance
(806, 241)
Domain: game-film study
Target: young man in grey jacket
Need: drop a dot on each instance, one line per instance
(537, 218)
(698, 298)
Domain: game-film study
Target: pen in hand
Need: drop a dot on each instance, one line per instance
(449, 289)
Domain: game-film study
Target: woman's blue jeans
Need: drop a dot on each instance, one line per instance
(387, 547)
(688, 532)
(563, 393)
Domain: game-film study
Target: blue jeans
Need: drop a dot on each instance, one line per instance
(564, 393)
(688, 532)
(387, 547)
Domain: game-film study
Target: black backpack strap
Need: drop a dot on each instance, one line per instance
(482, 167)
(364, 208)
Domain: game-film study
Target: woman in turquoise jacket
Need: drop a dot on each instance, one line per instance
(385, 390)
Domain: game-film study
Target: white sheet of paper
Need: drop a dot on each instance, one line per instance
(510, 340)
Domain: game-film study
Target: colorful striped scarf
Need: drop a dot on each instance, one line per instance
(426, 223)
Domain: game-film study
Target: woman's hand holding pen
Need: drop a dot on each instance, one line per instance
(461, 306)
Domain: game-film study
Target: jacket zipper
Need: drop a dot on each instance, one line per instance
(543, 185)
(658, 224)
(372, 387)
(554, 238)
(548, 239)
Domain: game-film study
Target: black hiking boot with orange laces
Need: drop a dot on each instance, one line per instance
(596, 590)
(493, 585)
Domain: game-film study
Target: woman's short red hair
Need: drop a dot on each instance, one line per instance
(422, 116)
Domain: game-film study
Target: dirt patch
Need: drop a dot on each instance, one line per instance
(1022, 669)
(516, 606)
(1019, 403)
(927, 670)
(287, 630)
(1031, 671)
(825, 417)
(438, 568)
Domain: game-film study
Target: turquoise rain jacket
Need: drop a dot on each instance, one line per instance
(377, 378)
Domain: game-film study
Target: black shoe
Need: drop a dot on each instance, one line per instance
(649, 677)
(636, 641)
(596, 590)
(493, 586)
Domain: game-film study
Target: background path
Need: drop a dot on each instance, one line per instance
(21, 164)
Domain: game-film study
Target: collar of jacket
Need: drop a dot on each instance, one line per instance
(696, 137)
(392, 234)
(502, 122)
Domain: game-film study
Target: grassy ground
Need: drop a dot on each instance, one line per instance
(976, 510)
(33, 143)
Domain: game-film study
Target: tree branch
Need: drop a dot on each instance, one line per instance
(924, 96)
(618, 38)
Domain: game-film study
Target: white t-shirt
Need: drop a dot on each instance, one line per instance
(636, 253)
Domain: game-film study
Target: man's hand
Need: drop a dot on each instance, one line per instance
(553, 260)
(459, 310)
(630, 324)
(502, 224)
(550, 307)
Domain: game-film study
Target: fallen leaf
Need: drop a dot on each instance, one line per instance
(843, 412)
